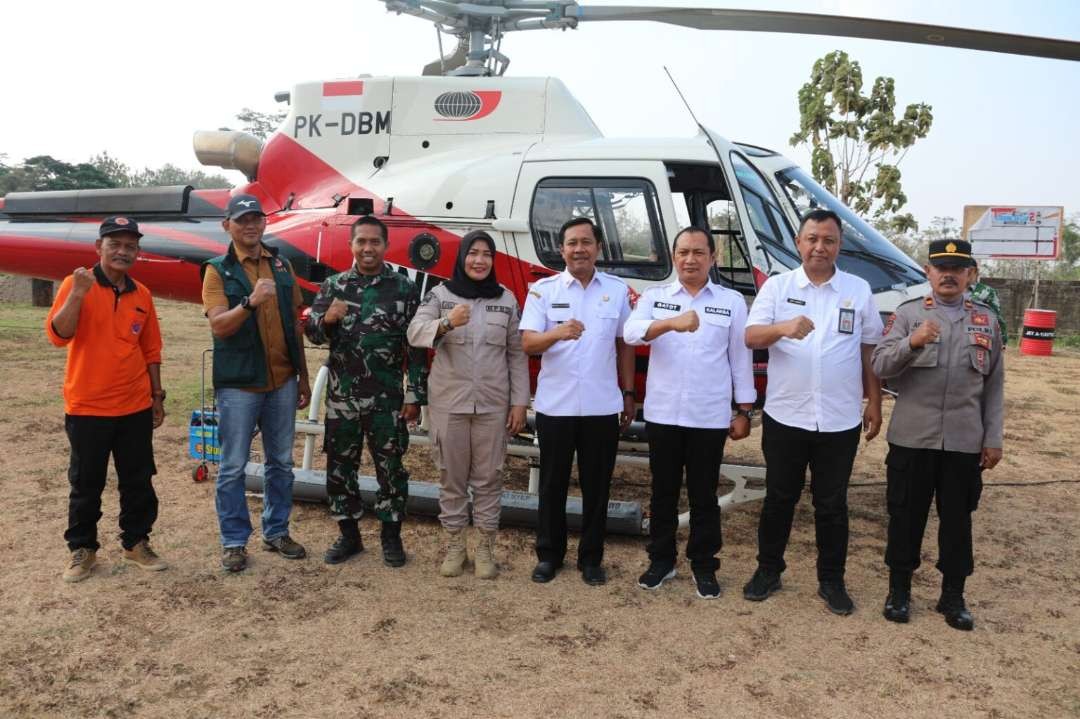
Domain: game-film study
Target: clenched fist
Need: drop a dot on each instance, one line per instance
(460, 315)
(82, 280)
(798, 327)
(571, 330)
(264, 290)
(926, 333)
(335, 312)
(686, 322)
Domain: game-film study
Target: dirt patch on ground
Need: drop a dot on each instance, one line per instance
(301, 639)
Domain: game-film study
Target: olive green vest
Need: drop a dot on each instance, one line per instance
(240, 359)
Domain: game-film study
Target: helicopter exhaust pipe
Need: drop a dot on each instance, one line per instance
(230, 150)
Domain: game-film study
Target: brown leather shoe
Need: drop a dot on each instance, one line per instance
(142, 556)
(285, 546)
(81, 565)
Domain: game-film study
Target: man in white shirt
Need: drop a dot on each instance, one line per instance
(820, 325)
(695, 330)
(574, 320)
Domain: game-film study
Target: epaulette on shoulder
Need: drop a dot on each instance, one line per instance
(908, 302)
(979, 303)
(613, 278)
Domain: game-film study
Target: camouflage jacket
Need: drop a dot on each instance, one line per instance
(368, 349)
(982, 292)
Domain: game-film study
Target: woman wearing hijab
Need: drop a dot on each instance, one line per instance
(478, 390)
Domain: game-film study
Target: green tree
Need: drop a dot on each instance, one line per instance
(260, 124)
(167, 174)
(44, 172)
(856, 141)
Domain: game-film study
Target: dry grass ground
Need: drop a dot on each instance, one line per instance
(301, 639)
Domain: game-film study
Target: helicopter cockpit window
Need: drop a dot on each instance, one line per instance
(766, 218)
(863, 250)
(624, 209)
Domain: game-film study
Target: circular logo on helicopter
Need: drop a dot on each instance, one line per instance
(463, 105)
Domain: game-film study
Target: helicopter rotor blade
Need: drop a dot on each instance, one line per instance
(834, 25)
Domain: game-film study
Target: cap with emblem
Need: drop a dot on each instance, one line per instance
(242, 205)
(119, 223)
(951, 252)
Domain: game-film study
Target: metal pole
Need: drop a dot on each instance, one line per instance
(317, 393)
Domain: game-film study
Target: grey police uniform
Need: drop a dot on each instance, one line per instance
(479, 371)
(949, 407)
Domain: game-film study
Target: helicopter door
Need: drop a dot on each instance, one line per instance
(620, 197)
(701, 198)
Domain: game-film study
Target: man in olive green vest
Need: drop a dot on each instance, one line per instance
(251, 297)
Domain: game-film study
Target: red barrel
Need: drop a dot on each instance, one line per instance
(1037, 337)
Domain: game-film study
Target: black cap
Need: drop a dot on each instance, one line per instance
(242, 205)
(119, 223)
(951, 252)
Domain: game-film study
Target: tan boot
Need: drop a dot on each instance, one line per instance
(456, 554)
(145, 558)
(81, 565)
(485, 555)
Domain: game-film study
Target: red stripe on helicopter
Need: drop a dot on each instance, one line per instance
(341, 88)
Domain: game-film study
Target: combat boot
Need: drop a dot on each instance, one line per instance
(952, 605)
(347, 545)
(456, 555)
(898, 603)
(485, 555)
(393, 552)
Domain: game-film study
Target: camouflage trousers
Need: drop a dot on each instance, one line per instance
(387, 438)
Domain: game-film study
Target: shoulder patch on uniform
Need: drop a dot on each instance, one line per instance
(534, 293)
(888, 324)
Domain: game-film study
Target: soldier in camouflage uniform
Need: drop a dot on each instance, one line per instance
(363, 314)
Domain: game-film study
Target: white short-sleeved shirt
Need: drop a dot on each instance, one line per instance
(578, 378)
(692, 374)
(816, 383)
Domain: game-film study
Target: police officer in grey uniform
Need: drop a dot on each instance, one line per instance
(943, 355)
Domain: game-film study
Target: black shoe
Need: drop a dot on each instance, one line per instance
(761, 586)
(342, 549)
(545, 571)
(655, 576)
(898, 606)
(956, 612)
(286, 546)
(836, 598)
(707, 586)
(593, 575)
(393, 552)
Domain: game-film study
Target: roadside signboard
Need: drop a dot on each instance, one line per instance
(1015, 232)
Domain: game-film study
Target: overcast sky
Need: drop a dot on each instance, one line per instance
(138, 78)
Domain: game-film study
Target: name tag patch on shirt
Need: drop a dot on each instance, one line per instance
(667, 306)
(722, 311)
(498, 308)
(560, 305)
(794, 301)
(846, 324)
(447, 305)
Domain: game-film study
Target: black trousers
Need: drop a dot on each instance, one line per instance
(129, 439)
(915, 477)
(596, 440)
(829, 455)
(699, 452)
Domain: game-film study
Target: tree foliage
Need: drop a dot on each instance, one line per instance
(259, 124)
(44, 172)
(167, 174)
(857, 141)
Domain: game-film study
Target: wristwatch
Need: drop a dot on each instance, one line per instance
(245, 302)
(748, 413)
(160, 394)
(446, 323)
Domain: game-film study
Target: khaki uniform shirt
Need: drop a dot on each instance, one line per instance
(951, 392)
(267, 316)
(478, 367)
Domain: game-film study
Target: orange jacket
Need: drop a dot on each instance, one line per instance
(116, 338)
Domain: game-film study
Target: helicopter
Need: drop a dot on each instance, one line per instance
(463, 147)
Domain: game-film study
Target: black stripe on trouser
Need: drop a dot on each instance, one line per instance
(917, 476)
(596, 440)
(829, 455)
(130, 441)
(700, 452)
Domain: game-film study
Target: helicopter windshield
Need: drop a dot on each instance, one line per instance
(864, 251)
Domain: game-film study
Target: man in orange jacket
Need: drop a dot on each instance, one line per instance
(113, 398)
